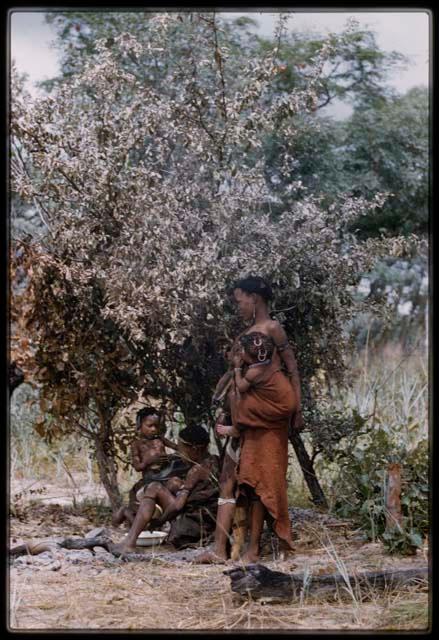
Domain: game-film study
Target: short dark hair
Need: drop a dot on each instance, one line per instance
(262, 341)
(144, 412)
(195, 434)
(255, 284)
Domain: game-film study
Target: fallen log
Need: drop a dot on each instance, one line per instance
(76, 544)
(257, 581)
(32, 548)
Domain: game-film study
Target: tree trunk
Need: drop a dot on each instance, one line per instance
(318, 497)
(107, 471)
(393, 497)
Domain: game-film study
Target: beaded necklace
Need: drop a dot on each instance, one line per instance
(258, 364)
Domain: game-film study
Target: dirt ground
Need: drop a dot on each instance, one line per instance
(63, 589)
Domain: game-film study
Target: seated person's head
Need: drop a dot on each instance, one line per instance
(193, 442)
(148, 421)
(256, 347)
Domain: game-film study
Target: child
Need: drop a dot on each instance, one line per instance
(148, 455)
(265, 401)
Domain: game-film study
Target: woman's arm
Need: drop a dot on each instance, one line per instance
(194, 475)
(287, 355)
(169, 443)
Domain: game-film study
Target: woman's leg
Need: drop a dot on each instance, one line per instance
(256, 517)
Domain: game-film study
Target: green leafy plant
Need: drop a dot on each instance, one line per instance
(360, 490)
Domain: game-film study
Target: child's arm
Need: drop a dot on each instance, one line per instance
(136, 456)
(244, 383)
(227, 430)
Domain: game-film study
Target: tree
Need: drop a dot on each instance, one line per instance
(85, 371)
(356, 70)
(154, 204)
(387, 149)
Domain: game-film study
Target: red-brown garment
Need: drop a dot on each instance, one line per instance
(265, 411)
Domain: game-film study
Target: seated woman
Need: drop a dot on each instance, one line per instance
(172, 496)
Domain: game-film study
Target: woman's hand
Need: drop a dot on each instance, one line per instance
(226, 430)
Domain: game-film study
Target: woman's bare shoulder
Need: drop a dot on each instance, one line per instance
(274, 327)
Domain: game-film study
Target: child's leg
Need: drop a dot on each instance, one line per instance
(224, 516)
(124, 514)
(154, 493)
(240, 526)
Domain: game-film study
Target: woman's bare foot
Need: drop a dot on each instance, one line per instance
(210, 557)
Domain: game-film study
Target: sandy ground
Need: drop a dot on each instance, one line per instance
(63, 590)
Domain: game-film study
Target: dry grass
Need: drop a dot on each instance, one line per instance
(155, 595)
(392, 385)
(160, 595)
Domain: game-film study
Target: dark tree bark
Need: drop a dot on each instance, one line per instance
(108, 473)
(318, 497)
(106, 461)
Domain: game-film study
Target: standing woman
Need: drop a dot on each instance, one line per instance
(252, 296)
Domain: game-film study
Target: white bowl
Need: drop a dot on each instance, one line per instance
(150, 538)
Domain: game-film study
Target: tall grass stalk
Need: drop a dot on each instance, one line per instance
(343, 571)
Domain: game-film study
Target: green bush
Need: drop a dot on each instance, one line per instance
(360, 489)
